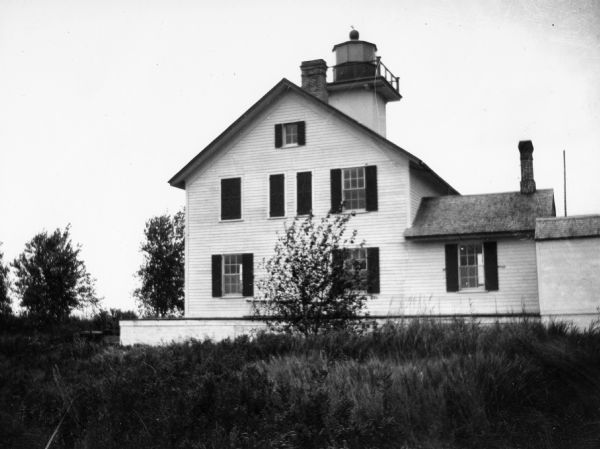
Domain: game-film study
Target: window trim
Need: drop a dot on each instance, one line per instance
(229, 220)
(364, 189)
(478, 288)
(241, 276)
(284, 133)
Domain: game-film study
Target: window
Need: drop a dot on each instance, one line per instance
(276, 196)
(471, 265)
(354, 189)
(290, 134)
(233, 275)
(231, 199)
(304, 193)
(365, 260)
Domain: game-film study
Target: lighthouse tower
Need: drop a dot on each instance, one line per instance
(362, 86)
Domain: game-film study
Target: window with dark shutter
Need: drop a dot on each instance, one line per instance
(276, 196)
(303, 193)
(371, 187)
(452, 268)
(373, 270)
(336, 190)
(216, 276)
(231, 198)
(490, 254)
(248, 274)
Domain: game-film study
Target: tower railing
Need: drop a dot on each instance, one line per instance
(365, 69)
(386, 74)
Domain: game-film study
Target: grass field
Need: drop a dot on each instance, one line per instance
(414, 385)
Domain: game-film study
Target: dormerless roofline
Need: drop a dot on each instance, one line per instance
(178, 180)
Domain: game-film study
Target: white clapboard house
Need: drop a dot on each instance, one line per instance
(322, 147)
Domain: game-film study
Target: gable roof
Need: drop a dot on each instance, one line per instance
(567, 227)
(178, 180)
(493, 213)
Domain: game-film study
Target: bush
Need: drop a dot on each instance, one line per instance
(414, 384)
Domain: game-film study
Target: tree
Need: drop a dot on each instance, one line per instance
(51, 280)
(311, 283)
(5, 302)
(162, 272)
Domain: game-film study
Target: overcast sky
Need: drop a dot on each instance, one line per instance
(101, 102)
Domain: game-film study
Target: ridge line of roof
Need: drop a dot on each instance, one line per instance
(176, 180)
(492, 193)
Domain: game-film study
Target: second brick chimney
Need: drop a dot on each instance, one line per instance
(314, 78)
(527, 180)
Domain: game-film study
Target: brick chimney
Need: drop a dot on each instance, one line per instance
(527, 181)
(314, 78)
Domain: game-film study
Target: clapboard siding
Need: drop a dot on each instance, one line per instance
(421, 269)
(330, 143)
(420, 187)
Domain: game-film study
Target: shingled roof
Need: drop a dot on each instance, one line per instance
(494, 213)
(567, 227)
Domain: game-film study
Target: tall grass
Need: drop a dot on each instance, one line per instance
(419, 384)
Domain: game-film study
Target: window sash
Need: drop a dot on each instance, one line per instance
(354, 188)
(290, 134)
(357, 258)
(232, 276)
(471, 270)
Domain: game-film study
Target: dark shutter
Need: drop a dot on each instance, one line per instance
(371, 187)
(278, 135)
(336, 190)
(301, 133)
(248, 274)
(216, 276)
(276, 196)
(373, 268)
(337, 268)
(490, 265)
(452, 268)
(231, 198)
(304, 193)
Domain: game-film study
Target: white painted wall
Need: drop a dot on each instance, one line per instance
(330, 143)
(420, 187)
(363, 105)
(161, 332)
(569, 274)
(421, 271)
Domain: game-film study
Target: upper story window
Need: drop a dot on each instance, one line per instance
(290, 134)
(231, 199)
(277, 196)
(471, 271)
(354, 189)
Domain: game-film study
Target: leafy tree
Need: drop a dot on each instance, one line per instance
(162, 272)
(310, 286)
(5, 303)
(51, 280)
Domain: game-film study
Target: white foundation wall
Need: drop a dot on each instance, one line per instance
(569, 278)
(422, 279)
(161, 332)
(330, 144)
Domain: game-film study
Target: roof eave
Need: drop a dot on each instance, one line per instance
(526, 233)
